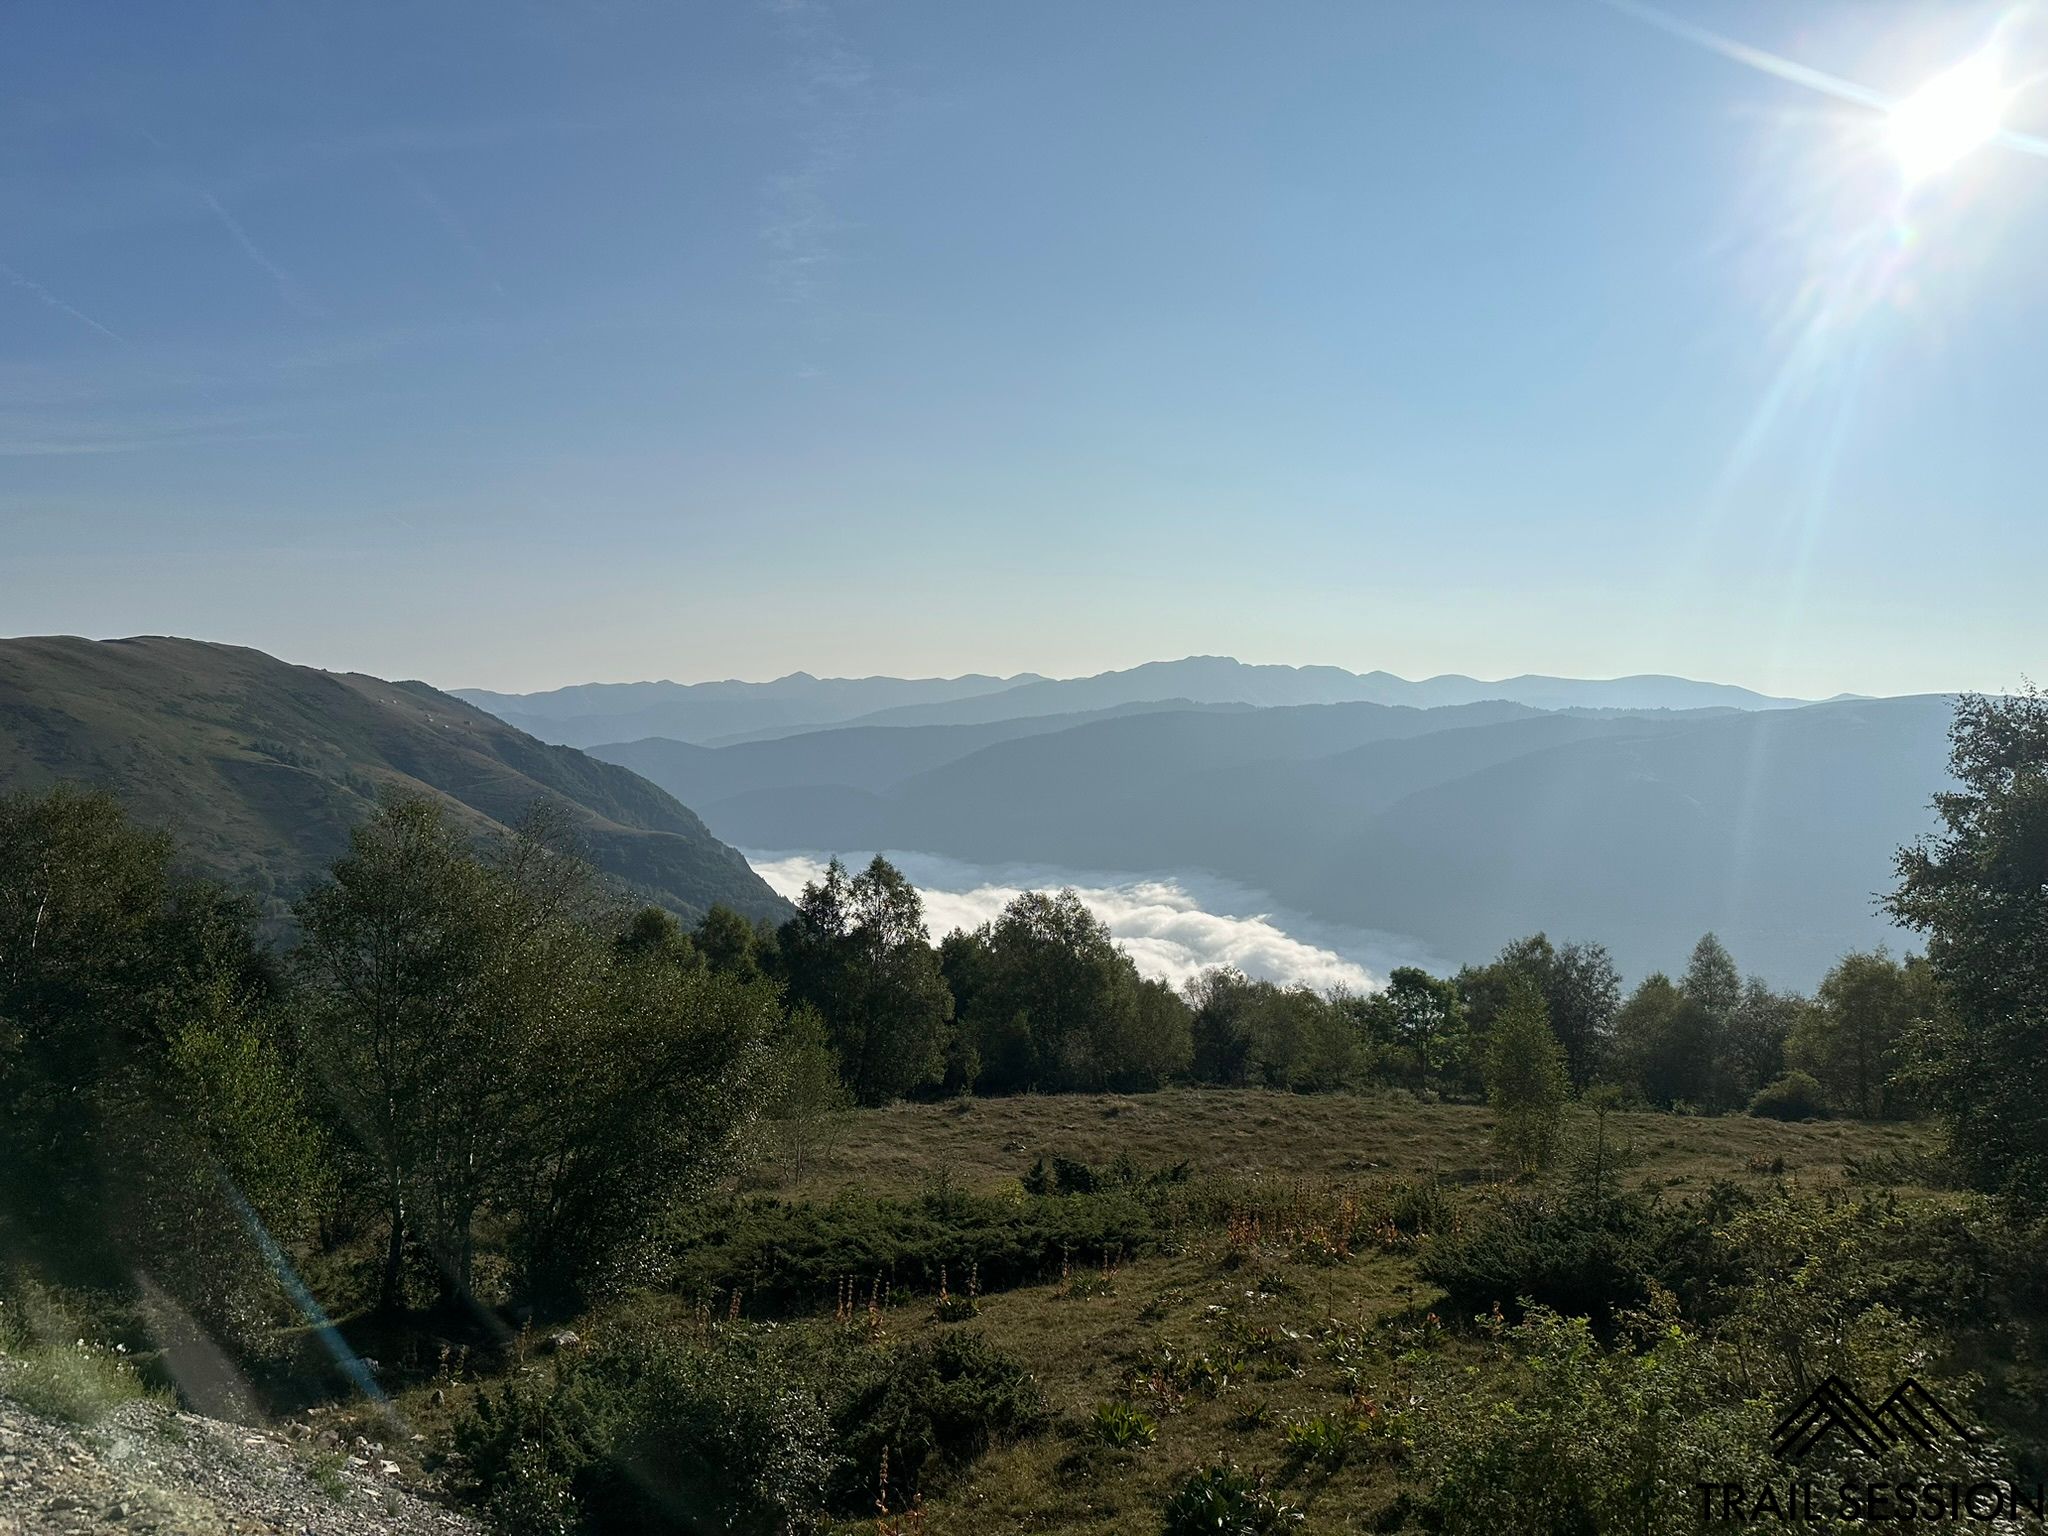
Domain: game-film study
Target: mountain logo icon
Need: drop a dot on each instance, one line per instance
(1908, 1413)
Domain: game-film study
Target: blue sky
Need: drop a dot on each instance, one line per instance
(515, 344)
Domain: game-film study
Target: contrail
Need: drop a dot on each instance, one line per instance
(286, 287)
(30, 285)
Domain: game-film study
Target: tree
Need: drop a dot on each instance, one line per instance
(439, 993)
(1978, 889)
(1525, 1081)
(149, 1116)
(1421, 1024)
(1712, 979)
(1222, 1000)
(1057, 1005)
(858, 951)
(1852, 1038)
(809, 1092)
(665, 1076)
(653, 932)
(1580, 988)
(1753, 1045)
(1583, 993)
(728, 943)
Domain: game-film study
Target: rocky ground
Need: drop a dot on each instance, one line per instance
(147, 1467)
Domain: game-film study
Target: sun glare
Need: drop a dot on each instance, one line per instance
(1956, 112)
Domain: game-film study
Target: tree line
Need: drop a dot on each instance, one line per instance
(1043, 999)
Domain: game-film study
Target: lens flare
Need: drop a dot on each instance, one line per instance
(1959, 110)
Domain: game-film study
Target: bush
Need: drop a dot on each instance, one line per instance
(935, 1406)
(1326, 1440)
(654, 1437)
(792, 1257)
(1585, 1254)
(1795, 1096)
(1595, 1440)
(1123, 1426)
(1223, 1501)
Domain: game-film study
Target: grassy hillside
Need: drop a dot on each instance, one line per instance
(1236, 1275)
(260, 768)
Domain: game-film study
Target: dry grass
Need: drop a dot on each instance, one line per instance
(1299, 1336)
(984, 1142)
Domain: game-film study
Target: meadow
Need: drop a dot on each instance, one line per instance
(1243, 1286)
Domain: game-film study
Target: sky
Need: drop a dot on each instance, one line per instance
(514, 345)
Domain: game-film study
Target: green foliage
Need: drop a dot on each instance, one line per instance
(792, 1256)
(1421, 1028)
(858, 951)
(1591, 1440)
(1795, 1096)
(146, 1104)
(1976, 890)
(1853, 1038)
(654, 1436)
(1326, 1439)
(486, 1047)
(936, 1406)
(1525, 1082)
(1054, 1004)
(1255, 1032)
(58, 1371)
(809, 1096)
(1123, 1425)
(1587, 1252)
(1580, 990)
(1222, 1500)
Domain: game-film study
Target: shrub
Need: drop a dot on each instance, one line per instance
(935, 1406)
(57, 1372)
(789, 1257)
(1585, 1254)
(654, 1437)
(1122, 1425)
(1224, 1501)
(1327, 1439)
(1595, 1440)
(1795, 1096)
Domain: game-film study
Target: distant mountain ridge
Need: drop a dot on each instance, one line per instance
(587, 713)
(716, 714)
(260, 768)
(1463, 825)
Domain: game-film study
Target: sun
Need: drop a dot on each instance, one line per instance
(1959, 110)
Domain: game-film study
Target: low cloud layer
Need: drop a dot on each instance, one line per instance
(1171, 926)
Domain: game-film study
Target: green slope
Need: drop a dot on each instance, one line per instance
(259, 767)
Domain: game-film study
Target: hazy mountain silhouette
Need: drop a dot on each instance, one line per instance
(1463, 826)
(720, 713)
(859, 756)
(590, 713)
(259, 768)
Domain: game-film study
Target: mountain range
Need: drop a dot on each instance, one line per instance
(259, 768)
(719, 714)
(1462, 826)
(1640, 811)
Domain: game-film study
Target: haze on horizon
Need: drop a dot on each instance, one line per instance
(521, 347)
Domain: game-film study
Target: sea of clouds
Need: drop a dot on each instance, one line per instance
(1172, 926)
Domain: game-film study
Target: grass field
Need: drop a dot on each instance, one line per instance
(1226, 1337)
(982, 1143)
